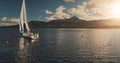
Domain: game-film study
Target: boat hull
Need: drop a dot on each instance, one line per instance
(28, 38)
(31, 36)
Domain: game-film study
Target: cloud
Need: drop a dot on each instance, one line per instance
(69, 1)
(58, 14)
(50, 18)
(90, 9)
(10, 20)
(79, 11)
(94, 9)
(48, 12)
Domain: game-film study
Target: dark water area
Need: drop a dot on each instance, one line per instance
(61, 46)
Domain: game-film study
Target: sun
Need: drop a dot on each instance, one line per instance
(115, 10)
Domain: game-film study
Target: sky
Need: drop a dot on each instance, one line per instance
(46, 10)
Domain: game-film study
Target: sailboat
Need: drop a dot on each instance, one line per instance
(23, 24)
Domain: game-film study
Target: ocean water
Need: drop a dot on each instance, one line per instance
(61, 45)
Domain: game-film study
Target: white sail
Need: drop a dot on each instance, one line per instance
(23, 24)
(23, 18)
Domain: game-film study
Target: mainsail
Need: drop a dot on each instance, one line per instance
(23, 19)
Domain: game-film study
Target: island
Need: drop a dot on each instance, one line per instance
(73, 22)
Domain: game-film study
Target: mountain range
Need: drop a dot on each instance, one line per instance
(74, 22)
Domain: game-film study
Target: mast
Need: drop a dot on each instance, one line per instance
(23, 18)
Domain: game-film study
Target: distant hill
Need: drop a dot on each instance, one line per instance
(75, 22)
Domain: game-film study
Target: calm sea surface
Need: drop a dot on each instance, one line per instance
(61, 46)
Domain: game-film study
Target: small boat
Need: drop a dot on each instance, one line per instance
(23, 24)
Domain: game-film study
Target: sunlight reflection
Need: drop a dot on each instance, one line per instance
(60, 35)
(24, 50)
(101, 45)
(98, 45)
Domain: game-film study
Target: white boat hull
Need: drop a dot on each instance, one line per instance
(32, 36)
